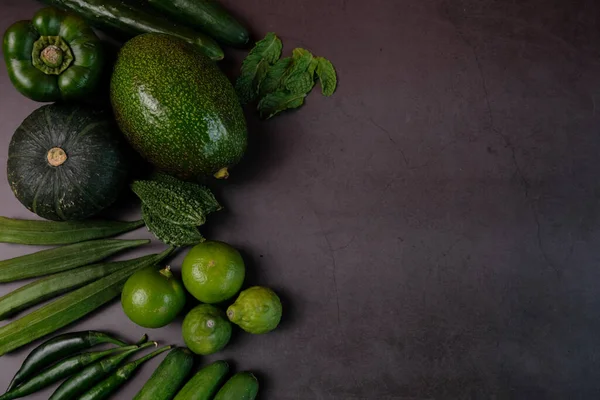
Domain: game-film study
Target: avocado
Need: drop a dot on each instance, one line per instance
(177, 108)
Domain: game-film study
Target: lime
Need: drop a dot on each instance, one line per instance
(213, 272)
(153, 298)
(257, 310)
(206, 329)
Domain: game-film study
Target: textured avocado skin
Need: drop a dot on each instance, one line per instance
(176, 108)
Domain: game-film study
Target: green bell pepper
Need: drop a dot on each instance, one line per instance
(55, 56)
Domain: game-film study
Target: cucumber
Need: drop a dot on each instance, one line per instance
(209, 16)
(168, 378)
(131, 20)
(205, 383)
(241, 386)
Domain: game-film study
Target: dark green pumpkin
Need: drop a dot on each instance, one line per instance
(67, 162)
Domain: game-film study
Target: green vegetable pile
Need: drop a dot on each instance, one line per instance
(68, 162)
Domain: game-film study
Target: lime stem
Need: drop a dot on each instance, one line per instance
(166, 271)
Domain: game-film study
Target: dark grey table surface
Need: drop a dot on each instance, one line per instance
(434, 227)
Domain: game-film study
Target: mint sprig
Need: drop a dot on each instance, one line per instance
(281, 84)
(327, 76)
(256, 67)
(274, 103)
(275, 76)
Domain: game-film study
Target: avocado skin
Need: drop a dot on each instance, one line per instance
(176, 108)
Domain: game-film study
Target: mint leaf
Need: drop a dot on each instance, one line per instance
(302, 58)
(295, 79)
(327, 76)
(312, 68)
(169, 233)
(274, 103)
(256, 65)
(294, 74)
(274, 78)
(261, 74)
(299, 84)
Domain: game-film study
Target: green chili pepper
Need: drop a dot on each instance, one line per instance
(105, 388)
(54, 56)
(82, 381)
(57, 349)
(59, 371)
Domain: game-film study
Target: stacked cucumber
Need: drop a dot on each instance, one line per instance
(171, 374)
(74, 269)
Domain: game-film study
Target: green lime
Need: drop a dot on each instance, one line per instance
(257, 310)
(206, 329)
(213, 272)
(153, 298)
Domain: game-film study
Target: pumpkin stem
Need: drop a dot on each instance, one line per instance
(56, 156)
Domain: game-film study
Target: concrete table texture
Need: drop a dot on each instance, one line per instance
(433, 228)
